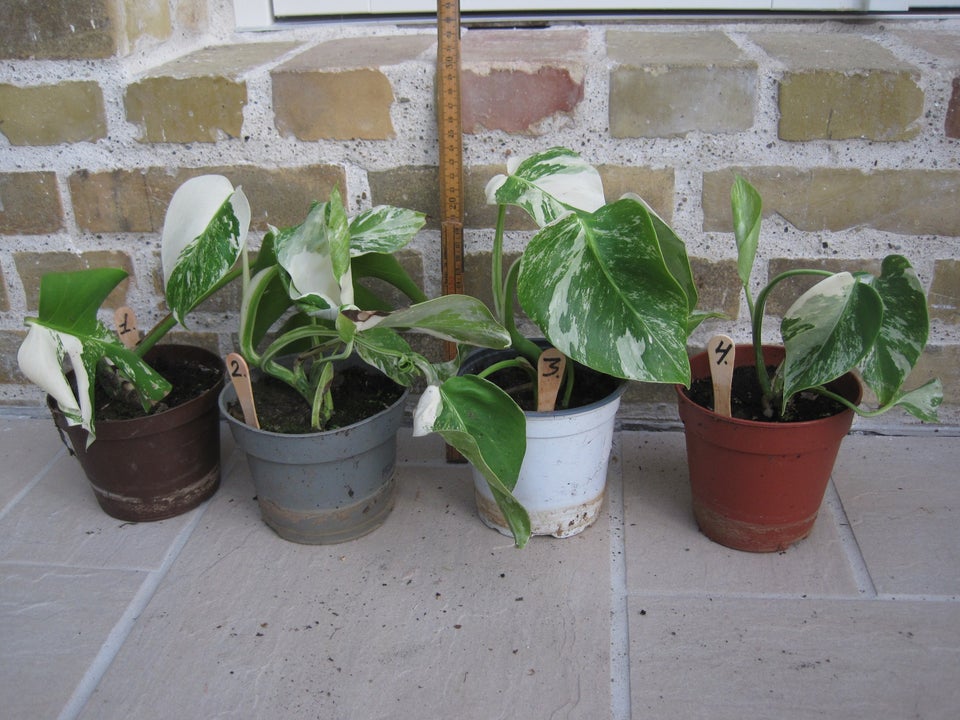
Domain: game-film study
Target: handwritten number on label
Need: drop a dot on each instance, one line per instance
(551, 366)
(721, 351)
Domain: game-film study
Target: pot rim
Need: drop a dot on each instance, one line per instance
(684, 399)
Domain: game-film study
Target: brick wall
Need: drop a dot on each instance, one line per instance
(851, 131)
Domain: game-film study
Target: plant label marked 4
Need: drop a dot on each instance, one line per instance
(240, 377)
(550, 369)
(721, 352)
(125, 321)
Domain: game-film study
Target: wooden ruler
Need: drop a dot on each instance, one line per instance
(449, 121)
(450, 124)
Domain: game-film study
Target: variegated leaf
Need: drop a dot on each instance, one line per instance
(903, 332)
(383, 229)
(921, 402)
(828, 331)
(458, 318)
(548, 185)
(598, 287)
(485, 425)
(389, 353)
(204, 231)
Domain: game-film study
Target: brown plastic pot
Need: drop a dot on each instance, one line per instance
(158, 466)
(758, 486)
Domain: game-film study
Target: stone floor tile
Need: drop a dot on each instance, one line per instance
(665, 552)
(902, 498)
(59, 522)
(29, 445)
(729, 659)
(432, 615)
(53, 622)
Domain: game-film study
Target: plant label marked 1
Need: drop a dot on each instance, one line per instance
(240, 377)
(721, 352)
(550, 368)
(126, 323)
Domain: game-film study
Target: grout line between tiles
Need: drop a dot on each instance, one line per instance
(30, 485)
(619, 617)
(848, 540)
(124, 626)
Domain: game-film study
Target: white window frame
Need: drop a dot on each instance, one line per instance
(260, 14)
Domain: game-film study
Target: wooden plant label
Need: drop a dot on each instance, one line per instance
(721, 352)
(550, 369)
(240, 377)
(126, 323)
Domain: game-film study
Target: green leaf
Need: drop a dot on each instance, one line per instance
(903, 332)
(548, 185)
(389, 353)
(458, 318)
(387, 268)
(828, 331)
(675, 256)
(599, 288)
(204, 231)
(383, 229)
(747, 215)
(68, 328)
(921, 402)
(485, 425)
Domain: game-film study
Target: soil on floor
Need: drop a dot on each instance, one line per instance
(357, 395)
(746, 399)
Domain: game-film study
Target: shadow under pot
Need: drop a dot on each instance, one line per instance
(161, 465)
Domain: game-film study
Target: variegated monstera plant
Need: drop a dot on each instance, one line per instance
(607, 284)
(203, 236)
(847, 321)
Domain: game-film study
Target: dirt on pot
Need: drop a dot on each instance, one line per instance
(746, 399)
(357, 395)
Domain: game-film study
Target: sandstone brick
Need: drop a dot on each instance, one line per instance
(477, 278)
(671, 84)
(136, 200)
(944, 295)
(787, 291)
(412, 187)
(838, 88)
(909, 202)
(31, 266)
(9, 345)
(29, 203)
(79, 29)
(718, 286)
(52, 114)
(499, 67)
(952, 123)
(337, 91)
(200, 97)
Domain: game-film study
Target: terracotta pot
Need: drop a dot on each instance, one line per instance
(758, 486)
(158, 466)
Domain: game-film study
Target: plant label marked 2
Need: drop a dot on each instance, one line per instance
(240, 377)
(126, 323)
(721, 352)
(550, 369)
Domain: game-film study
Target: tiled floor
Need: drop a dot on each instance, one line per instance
(435, 616)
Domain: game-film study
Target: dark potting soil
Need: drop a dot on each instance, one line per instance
(589, 386)
(745, 399)
(189, 379)
(357, 395)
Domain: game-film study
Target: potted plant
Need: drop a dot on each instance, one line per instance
(141, 417)
(309, 325)
(758, 477)
(609, 287)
